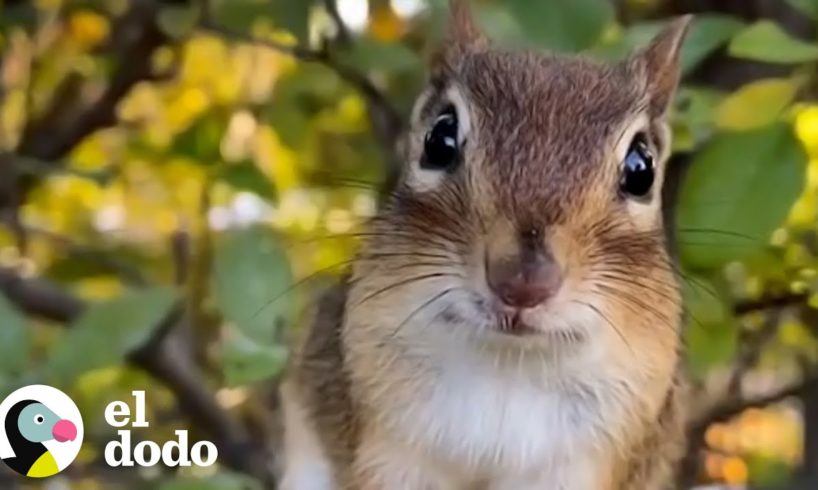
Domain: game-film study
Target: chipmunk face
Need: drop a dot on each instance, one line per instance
(529, 209)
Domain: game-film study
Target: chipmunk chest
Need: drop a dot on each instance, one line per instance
(505, 425)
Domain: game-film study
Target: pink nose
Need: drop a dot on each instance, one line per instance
(64, 430)
(524, 281)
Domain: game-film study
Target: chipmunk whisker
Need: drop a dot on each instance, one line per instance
(607, 320)
(437, 297)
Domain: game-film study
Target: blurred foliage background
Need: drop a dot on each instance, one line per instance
(177, 178)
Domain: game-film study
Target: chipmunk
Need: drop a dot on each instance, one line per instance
(512, 321)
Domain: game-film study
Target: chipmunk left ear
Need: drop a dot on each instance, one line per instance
(659, 62)
(463, 29)
(462, 35)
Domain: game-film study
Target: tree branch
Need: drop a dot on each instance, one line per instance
(40, 298)
(107, 260)
(343, 36)
(809, 465)
(386, 120)
(731, 408)
(160, 358)
(51, 136)
(725, 411)
(751, 345)
(771, 302)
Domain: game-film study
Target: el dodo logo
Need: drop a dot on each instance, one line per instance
(41, 431)
(42, 434)
(148, 453)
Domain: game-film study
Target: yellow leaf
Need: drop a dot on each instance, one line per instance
(806, 127)
(276, 160)
(99, 287)
(91, 154)
(385, 26)
(88, 28)
(735, 471)
(803, 212)
(48, 4)
(186, 106)
(756, 104)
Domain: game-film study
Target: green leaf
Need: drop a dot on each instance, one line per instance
(221, 481)
(632, 38)
(766, 41)
(292, 16)
(250, 282)
(738, 190)
(309, 80)
(563, 25)
(756, 104)
(245, 361)
(22, 14)
(711, 334)
(240, 15)
(108, 330)
(248, 177)
(84, 264)
(369, 54)
(15, 339)
(289, 119)
(299, 96)
(201, 141)
(499, 24)
(178, 21)
(709, 346)
(707, 34)
(807, 7)
(693, 115)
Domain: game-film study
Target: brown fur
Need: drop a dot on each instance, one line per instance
(539, 156)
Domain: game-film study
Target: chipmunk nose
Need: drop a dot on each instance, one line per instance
(524, 280)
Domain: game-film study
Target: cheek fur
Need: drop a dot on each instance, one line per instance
(645, 216)
(423, 181)
(613, 259)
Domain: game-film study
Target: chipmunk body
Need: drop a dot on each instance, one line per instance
(512, 320)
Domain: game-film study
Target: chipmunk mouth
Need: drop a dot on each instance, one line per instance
(520, 325)
(530, 324)
(513, 324)
(513, 328)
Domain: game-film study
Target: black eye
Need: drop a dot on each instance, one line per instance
(39, 419)
(638, 171)
(440, 148)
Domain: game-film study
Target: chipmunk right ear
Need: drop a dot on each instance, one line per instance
(462, 35)
(660, 62)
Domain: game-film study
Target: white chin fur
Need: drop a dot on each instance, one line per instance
(483, 403)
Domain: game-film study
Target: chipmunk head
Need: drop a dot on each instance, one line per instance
(529, 207)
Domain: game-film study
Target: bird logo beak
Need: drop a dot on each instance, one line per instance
(64, 430)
